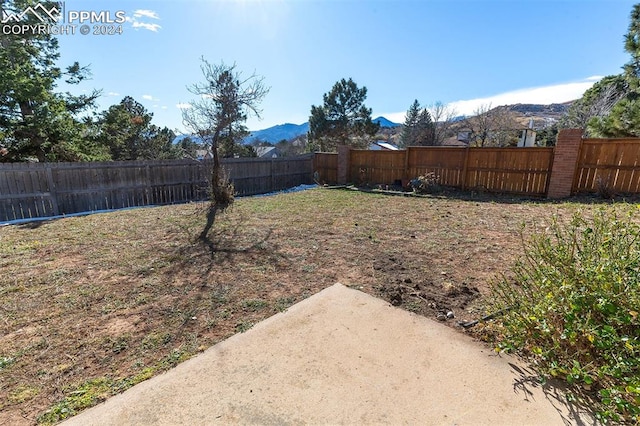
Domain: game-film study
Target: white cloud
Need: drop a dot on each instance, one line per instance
(113, 94)
(146, 13)
(138, 23)
(146, 26)
(163, 107)
(556, 93)
(183, 106)
(149, 98)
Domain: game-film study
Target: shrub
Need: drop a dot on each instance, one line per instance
(574, 300)
(604, 188)
(427, 184)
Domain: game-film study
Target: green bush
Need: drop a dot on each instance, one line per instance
(573, 303)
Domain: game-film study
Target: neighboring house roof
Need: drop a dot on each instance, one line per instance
(203, 154)
(454, 142)
(267, 152)
(381, 145)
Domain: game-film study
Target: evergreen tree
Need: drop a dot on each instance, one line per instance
(419, 128)
(426, 129)
(126, 130)
(35, 121)
(408, 136)
(343, 119)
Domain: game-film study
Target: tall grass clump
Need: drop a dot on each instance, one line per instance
(572, 304)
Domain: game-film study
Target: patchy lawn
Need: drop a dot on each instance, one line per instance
(90, 306)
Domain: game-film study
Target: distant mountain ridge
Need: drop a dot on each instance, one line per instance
(541, 113)
(385, 123)
(290, 131)
(277, 133)
(550, 110)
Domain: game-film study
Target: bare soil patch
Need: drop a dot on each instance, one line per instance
(90, 306)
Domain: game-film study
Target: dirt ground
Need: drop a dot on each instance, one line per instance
(93, 305)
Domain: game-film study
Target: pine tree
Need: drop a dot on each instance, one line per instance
(408, 136)
(426, 129)
(343, 119)
(35, 121)
(419, 128)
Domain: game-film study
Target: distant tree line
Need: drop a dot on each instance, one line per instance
(38, 123)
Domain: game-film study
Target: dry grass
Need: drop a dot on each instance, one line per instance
(92, 305)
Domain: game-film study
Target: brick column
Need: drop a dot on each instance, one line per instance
(565, 158)
(343, 164)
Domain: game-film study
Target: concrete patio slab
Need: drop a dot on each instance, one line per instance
(341, 357)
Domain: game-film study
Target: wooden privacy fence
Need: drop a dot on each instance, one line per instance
(29, 190)
(509, 170)
(325, 166)
(574, 165)
(608, 165)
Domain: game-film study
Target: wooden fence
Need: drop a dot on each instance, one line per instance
(509, 170)
(29, 190)
(325, 166)
(608, 164)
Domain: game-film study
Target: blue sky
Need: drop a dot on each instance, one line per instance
(459, 52)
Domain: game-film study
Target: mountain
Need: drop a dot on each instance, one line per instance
(385, 123)
(290, 131)
(549, 110)
(277, 133)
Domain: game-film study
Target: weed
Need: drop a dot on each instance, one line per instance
(604, 188)
(155, 340)
(413, 306)
(283, 303)
(308, 268)
(254, 305)
(22, 394)
(426, 184)
(77, 399)
(118, 344)
(243, 326)
(5, 362)
(574, 299)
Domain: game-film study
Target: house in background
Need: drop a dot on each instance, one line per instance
(203, 154)
(267, 152)
(382, 146)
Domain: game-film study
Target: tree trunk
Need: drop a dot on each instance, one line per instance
(214, 184)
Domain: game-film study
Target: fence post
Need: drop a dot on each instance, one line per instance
(565, 158)
(344, 164)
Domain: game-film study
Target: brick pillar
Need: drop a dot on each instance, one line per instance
(565, 158)
(343, 164)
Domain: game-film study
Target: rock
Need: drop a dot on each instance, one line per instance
(450, 315)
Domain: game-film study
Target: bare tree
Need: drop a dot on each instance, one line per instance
(444, 118)
(224, 101)
(598, 101)
(480, 124)
(492, 126)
